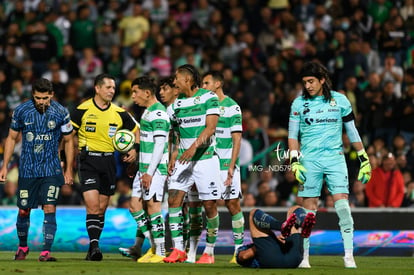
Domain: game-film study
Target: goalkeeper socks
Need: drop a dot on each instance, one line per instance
(176, 220)
(265, 221)
(346, 223)
(22, 227)
(306, 241)
(49, 230)
(93, 228)
(237, 224)
(196, 228)
(212, 231)
(158, 233)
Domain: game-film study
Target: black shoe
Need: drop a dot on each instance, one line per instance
(94, 254)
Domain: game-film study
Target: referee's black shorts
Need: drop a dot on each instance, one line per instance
(97, 171)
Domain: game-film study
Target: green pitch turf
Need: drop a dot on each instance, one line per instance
(74, 263)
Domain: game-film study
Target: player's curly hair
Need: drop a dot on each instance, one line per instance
(191, 70)
(319, 71)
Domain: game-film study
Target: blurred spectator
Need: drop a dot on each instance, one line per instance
(386, 187)
(270, 199)
(114, 64)
(383, 111)
(158, 10)
(406, 115)
(69, 62)
(408, 200)
(256, 135)
(69, 195)
(53, 68)
(262, 188)
(357, 196)
(90, 66)
(391, 72)
(122, 194)
(134, 29)
(40, 45)
(266, 175)
(256, 94)
(249, 200)
(287, 189)
(372, 56)
(10, 188)
(82, 31)
(106, 38)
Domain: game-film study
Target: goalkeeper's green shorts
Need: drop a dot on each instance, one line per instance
(333, 171)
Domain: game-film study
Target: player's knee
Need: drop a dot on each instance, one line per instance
(24, 212)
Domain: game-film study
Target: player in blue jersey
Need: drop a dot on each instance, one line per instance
(276, 251)
(43, 123)
(316, 155)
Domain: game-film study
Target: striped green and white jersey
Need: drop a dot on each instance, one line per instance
(230, 121)
(154, 122)
(190, 114)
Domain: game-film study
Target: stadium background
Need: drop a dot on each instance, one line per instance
(382, 232)
(378, 230)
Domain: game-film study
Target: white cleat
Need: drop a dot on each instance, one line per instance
(304, 263)
(349, 262)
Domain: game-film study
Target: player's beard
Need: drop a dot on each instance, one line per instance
(41, 108)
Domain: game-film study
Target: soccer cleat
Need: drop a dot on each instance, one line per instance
(94, 254)
(304, 263)
(176, 256)
(156, 259)
(146, 257)
(21, 253)
(287, 225)
(206, 259)
(349, 262)
(133, 252)
(233, 260)
(308, 224)
(45, 257)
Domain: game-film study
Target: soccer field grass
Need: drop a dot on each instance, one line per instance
(74, 263)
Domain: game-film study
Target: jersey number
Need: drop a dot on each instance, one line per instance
(53, 192)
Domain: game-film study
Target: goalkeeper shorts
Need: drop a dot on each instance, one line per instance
(332, 171)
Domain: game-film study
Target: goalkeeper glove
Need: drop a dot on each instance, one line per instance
(364, 174)
(297, 168)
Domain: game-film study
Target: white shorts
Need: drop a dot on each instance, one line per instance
(155, 191)
(204, 173)
(234, 190)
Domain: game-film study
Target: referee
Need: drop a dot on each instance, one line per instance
(95, 121)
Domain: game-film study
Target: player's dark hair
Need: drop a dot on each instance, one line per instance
(169, 81)
(145, 83)
(42, 85)
(319, 71)
(100, 79)
(191, 70)
(216, 75)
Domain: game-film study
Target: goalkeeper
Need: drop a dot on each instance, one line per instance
(316, 124)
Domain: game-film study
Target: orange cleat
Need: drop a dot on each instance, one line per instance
(176, 256)
(205, 259)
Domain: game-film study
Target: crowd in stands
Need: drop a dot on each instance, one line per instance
(260, 46)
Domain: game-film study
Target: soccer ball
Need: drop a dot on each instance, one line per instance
(123, 140)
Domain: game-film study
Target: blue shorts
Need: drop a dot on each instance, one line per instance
(270, 253)
(329, 169)
(34, 191)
